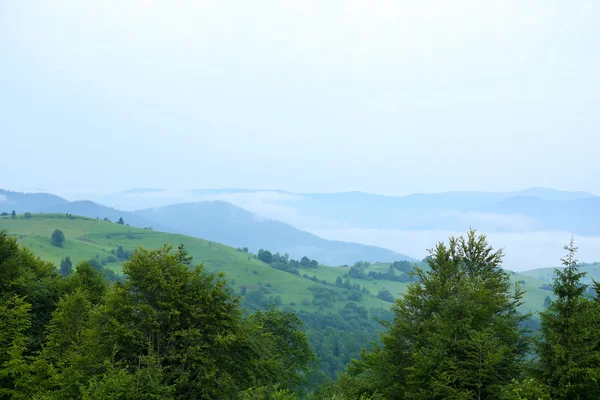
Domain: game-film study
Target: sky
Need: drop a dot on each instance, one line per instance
(390, 97)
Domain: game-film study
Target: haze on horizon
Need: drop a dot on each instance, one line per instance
(384, 97)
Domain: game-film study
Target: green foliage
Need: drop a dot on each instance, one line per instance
(266, 393)
(287, 355)
(121, 221)
(385, 295)
(28, 277)
(265, 256)
(569, 349)
(526, 389)
(14, 323)
(66, 266)
(455, 333)
(13, 214)
(27, 215)
(169, 330)
(58, 238)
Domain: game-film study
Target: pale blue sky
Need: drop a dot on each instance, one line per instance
(382, 96)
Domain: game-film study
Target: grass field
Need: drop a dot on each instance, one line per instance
(90, 238)
(592, 273)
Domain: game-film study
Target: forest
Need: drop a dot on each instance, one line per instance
(169, 329)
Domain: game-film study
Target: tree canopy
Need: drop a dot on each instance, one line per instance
(169, 330)
(455, 334)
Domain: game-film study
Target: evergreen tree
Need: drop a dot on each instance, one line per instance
(66, 266)
(455, 334)
(121, 221)
(13, 214)
(569, 349)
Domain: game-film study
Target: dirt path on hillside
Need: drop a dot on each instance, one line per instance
(89, 227)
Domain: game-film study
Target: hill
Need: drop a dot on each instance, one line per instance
(88, 238)
(546, 275)
(27, 202)
(225, 223)
(217, 221)
(94, 210)
(339, 311)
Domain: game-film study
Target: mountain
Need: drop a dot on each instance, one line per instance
(225, 223)
(319, 212)
(581, 216)
(551, 194)
(90, 209)
(88, 238)
(27, 202)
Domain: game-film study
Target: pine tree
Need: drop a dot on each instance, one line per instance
(66, 266)
(456, 331)
(569, 349)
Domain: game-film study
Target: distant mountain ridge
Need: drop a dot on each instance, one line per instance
(28, 202)
(90, 209)
(220, 222)
(226, 223)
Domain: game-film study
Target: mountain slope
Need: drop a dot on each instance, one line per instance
(90, 209)
(90, 238)
(27, 202)
(315, 212)
(581, 216)
(234, 226)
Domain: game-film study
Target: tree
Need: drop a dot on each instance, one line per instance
(58, 238)
(29, 290)
(385, 295)
(27, 215)
(185, 317)
(288, 354)
(13, 214)
(569, 349)
(456, 331)
(66, 266)
(121, 221)
(265, 256)
(122, 254)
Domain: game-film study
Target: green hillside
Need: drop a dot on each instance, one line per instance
(534, 296)
(88, 238)
(547, 274)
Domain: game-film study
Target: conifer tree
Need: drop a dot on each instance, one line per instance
(569, 349)
(66, 266)
(455, 334)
